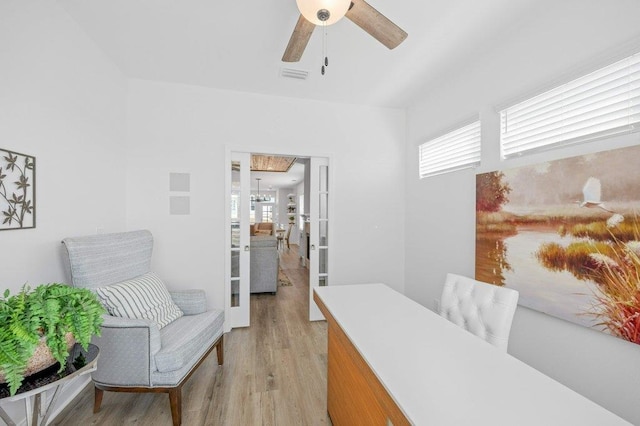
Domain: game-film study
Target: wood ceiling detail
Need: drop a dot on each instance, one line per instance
(271, 163)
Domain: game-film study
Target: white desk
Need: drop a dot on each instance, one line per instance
(438, 373)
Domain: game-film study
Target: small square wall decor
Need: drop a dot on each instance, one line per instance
(179, 205)
(17, 190)
(180, 182)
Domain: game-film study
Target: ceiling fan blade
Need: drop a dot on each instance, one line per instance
(298, 41)
(376, 24)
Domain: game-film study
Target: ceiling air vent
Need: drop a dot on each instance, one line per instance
(293, 73)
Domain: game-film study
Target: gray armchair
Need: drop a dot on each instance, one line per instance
(135, 355)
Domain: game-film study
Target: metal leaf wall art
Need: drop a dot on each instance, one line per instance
(17, 191)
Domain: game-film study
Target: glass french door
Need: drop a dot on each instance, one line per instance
(237, 275)
(318, 230)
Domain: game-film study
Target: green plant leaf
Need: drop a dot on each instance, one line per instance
(50, 310)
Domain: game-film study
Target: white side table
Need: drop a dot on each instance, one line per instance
(31, 390)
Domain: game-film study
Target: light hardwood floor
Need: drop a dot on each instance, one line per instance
(275, 372)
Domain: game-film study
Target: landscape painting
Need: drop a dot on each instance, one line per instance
(566, 235)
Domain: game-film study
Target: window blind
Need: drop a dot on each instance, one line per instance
(456, 150)
(603, 103)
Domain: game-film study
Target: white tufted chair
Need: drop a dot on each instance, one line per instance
(485, 310)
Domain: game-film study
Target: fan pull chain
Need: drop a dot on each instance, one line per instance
(325, 62)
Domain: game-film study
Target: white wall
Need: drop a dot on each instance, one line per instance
(176, 127)
(282, 206)
(283, 200)
(440, 211)
(63, 102)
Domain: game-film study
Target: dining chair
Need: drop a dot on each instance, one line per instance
(286, 238)
(483, 309)
(280, 236)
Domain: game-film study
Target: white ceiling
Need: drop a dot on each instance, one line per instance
(237, 45)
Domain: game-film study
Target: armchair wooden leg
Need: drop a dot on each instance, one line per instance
(175, 399)
(97, 398)
(220, 350)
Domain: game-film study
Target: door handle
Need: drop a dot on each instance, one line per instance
(246, 248)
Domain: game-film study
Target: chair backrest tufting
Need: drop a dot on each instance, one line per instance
(485, 310)
(99, 260)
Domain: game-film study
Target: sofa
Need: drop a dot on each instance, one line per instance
(263, 228)
(265, 262)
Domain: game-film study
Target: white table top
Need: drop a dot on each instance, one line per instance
(440, 374)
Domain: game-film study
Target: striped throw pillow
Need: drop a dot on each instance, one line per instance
(144, 297)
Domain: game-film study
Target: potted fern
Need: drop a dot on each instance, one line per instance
(44, 316)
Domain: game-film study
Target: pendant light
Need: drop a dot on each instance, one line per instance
(259, 198)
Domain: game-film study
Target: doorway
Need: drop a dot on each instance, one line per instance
(280, 201)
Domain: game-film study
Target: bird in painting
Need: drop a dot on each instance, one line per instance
(591, 192)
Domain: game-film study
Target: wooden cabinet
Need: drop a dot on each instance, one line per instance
(355, 396)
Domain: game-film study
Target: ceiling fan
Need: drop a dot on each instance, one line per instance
(327, 12)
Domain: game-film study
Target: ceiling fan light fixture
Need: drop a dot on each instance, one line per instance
(323, 12)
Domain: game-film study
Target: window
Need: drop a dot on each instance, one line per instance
(267, 213)
(456, 150)
(603, 103)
